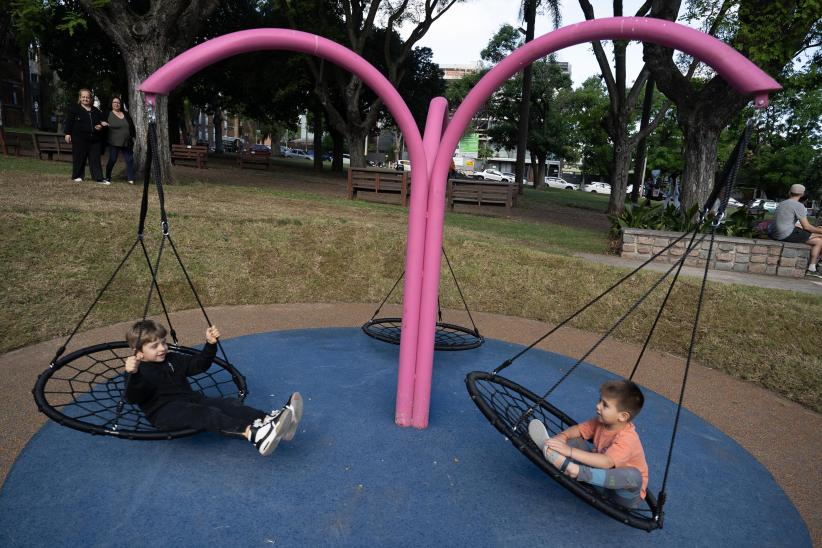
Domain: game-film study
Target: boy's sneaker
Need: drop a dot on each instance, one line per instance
(538, 433)
(265, 435)
(295, 405)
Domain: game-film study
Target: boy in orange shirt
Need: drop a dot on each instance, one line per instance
(617, 462)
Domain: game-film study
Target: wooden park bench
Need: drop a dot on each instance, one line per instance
(250, 159)
(10, 140)
(470, 191)
(379, 181)
(197, 154)
(51, 144)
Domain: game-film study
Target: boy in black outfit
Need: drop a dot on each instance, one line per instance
(159, 386)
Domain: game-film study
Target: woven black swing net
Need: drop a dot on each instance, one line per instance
(509, 407)
(447, 336)
(85, 390)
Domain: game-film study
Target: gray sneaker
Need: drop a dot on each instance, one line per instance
(538, 433)
(266, 435)
(813, 274)
(104, 182)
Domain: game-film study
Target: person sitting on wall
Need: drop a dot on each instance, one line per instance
(788, 214)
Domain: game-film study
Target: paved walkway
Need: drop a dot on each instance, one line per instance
(802, 285)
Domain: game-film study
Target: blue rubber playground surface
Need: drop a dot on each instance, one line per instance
(353, 478)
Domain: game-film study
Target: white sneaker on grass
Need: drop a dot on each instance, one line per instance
(295, 405)
(104, 182)
(78, 180)
(266, 435)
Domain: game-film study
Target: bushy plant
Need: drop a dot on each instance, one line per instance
(744, 224)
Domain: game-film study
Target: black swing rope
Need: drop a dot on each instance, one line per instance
(487, 401)
(448, 336)
(92, 399)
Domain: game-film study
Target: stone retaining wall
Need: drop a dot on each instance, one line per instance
(731, 254)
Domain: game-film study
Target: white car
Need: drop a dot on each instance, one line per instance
(733, 202)
(558, 182)
(492, 175)
(597, 188)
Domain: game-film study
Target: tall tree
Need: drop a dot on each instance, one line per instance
(769, 33)
(362, 20)
(623, 102)
(528, 13)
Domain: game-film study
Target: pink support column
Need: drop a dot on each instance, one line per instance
(743, 75)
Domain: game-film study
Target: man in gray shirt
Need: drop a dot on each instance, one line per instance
(784, 228)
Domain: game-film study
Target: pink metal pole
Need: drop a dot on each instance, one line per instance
(743, 75)
(184, 65)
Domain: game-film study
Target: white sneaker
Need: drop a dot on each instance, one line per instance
(265, 435)
(104, 182)
(295, 405)
(78, 180)
(131, 182)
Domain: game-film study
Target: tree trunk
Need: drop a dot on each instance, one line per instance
(218, 129)
(525, 104)
(337, 152)
(139, 66)
(700, 163)
(356, 146)
(642, 146)
(619, 171)
(318, 137)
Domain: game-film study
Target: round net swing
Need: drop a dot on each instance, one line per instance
(509, 407)
(85, 390)
(447, 336)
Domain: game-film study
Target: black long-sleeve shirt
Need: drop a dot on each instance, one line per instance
(81, 122)
(157, 383)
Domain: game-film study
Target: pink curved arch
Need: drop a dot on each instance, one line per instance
(741, 73)
(170, 75)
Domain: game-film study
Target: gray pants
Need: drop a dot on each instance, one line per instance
(621, 485)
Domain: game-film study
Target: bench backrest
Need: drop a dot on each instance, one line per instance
(480, 191)
(189, 150)
(369, 177)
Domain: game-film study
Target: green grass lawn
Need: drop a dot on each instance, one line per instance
(267, 238)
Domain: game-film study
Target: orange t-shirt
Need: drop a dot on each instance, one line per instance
(623, 446)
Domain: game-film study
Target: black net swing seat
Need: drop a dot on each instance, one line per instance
(447, 336)
(510, 407)
(84, 390)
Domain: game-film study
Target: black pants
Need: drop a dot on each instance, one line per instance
(222, 415)
(83, 149)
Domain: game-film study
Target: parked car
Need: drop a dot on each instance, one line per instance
(559, 182)
(511, 176)
(597, 187)
(759, 205)
(346, 159)
(297, 153)
(232, 144)
(492, 175)
(260, 148)
(403, 165)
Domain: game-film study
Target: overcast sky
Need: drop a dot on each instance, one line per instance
(459, 35)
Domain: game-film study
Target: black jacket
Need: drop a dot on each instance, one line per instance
(80, 122)
(155, 384)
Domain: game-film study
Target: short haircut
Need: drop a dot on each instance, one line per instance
(627, 394)
(144, 332)
(79, 93)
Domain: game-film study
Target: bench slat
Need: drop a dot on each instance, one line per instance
(378, 181)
